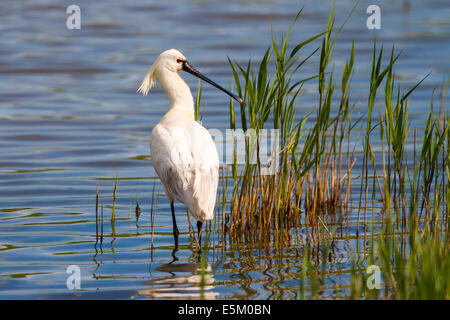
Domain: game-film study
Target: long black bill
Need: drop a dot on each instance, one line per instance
(190, 69)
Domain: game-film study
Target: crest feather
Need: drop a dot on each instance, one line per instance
(148, 82)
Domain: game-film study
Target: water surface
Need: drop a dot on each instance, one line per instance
(70, 121)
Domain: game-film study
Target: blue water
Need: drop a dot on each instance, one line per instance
(70, 121)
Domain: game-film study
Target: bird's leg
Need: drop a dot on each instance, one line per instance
(173, 254)
(199, 227)
(174, 222)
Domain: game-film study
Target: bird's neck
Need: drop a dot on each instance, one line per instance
(178, 91)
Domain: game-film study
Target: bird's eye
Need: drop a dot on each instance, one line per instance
(179, 61)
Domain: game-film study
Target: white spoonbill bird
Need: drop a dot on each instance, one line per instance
(183, 153)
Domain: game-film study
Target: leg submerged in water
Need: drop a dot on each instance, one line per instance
(199, 227)
(174, 223)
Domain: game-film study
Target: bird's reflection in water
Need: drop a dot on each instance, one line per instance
(185, 282)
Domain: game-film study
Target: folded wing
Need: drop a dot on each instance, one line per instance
(187, 163)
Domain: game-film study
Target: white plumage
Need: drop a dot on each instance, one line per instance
(186, 160)
(183, 152)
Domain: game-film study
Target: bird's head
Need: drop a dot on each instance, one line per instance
(172, 61)
(167, 61)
